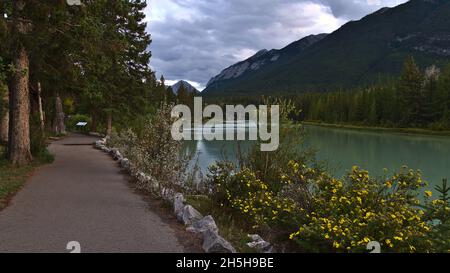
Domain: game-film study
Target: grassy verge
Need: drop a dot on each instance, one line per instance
(12, 179)
(415, 131)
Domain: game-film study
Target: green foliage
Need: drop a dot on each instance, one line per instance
(268, 165)
(95, 56)
(418, 99)
(152, 150)
(117, 79)
(37, 137)
(11, 179)
(314, 212)
(345, 215)
(74, 119)
(438, 213)
(297, 205)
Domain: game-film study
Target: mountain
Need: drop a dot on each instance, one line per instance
(261, 61)
(186, 86)
(359, 53)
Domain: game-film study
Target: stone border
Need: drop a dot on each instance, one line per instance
(185, 213)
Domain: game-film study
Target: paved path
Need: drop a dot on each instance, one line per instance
(82, 197)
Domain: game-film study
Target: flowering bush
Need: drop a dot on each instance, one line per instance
(248, 194)
(322, 214)
(152, 150)
(346, 215)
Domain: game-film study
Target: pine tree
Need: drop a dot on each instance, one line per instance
(411, 99)
(182, 95)
(373, 114)
(4, 107)
(444, 96)
(118, 75)
(431, 100)
(170, 95)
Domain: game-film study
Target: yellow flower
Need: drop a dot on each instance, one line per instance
(388, 184)
(428, 193)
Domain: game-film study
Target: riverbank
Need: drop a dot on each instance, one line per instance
(411, 131)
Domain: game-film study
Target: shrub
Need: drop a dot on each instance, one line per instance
(152, 150)
(248, 194)
(438, 213)
(322, 214)
(269, 166)
(37, 137)
(346, 215)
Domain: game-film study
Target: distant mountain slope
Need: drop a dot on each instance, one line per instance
(261, 61)
(187, 86)
(358, 53)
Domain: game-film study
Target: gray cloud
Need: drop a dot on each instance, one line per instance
(195, 39)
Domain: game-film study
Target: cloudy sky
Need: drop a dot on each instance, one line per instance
(195, 39)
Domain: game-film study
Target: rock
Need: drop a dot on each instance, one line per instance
(117, 155)
(105, 149)
(140, 176)
(113, 151)
(259, 244)
(214, 243)
(125, 164)
(167, 194)
(188, 215)
(178, 203)
(98, 144)
(205, 224)
(255, 237)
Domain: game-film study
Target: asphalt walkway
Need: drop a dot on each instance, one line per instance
(82, 197)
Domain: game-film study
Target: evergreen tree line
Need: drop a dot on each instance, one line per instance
(91, 59)
(418, 99)
(166, 93)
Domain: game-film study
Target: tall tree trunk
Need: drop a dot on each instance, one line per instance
(4, 119)
(109, 124)
(19, 151)
(94, 123)
(36, 104)
(59, 127)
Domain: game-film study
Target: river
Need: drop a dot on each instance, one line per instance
(341, 149)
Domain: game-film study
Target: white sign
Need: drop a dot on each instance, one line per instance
(74, 2)
(82, 124)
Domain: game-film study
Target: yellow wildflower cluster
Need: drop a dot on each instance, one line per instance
(254, 198)
(346, 215)
(319, 213)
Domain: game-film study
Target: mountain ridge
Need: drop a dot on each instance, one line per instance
(187, 86)
(264, 57)
(359, 53)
